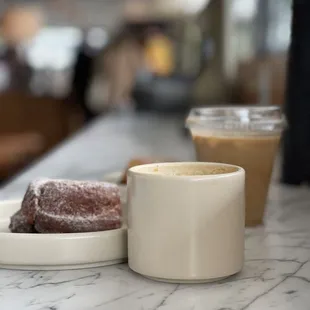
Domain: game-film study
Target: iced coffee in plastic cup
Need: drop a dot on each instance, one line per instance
(243, 136)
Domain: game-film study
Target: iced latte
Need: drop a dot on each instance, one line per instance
(246, 137)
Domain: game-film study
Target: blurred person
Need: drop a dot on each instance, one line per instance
(19, 25)
(81, 81)
(138, 52)
(84, 81)
(104, 79)
(123, 60)
(116, 69)
(18, 72)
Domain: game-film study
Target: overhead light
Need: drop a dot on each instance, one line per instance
(193, 6)
(244, 9)
(143, 9)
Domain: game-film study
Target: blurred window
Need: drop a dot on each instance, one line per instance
(193, 6)
(244, 10)
(279, 25)
(52, 55)
(260, 24)
(53, 48)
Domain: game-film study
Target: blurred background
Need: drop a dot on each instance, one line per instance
(64, 62)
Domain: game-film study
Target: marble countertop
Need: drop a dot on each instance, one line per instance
(276, 274)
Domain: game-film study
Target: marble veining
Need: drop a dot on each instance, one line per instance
(276, 274)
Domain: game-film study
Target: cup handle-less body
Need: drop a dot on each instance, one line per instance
(186, 230)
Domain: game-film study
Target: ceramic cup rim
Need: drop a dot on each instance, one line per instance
(138, 171)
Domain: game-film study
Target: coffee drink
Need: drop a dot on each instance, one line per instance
(255, 154)
(247, 137)
(186, 221)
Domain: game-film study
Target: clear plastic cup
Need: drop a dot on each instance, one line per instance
(245, 136)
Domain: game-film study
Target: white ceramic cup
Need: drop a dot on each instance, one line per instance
(186, 221)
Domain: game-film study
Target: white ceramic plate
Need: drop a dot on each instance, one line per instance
(58, 251)
(115, 177)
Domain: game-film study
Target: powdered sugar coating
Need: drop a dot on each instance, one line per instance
(65, 206)
(20, 224)
(23, 220)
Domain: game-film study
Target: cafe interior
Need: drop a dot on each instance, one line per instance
(154, 154)
(52, 83)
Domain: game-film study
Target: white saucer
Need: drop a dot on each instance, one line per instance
(115, 177)
(58, 251)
